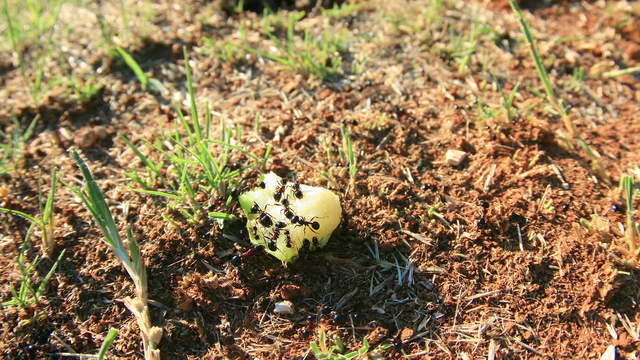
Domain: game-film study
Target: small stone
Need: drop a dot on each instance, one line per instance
(632, 52)
(609, 354)
(455, 157)
(284, 308)
(292, 291)
(377, 335)
(406, 334)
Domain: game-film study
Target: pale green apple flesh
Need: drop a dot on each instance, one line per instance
(286, 218)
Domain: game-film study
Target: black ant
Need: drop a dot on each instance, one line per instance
(255, 232)
(296, 190)
(288, 236)
(277, 195)
(314, 225)
(264, 218)
(304, 249)
(286, 210)
(262, 185)
(315, 241)
(272, 244)
(236, 259)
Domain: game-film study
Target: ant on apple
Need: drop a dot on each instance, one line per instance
(264, 218)
(300, 221)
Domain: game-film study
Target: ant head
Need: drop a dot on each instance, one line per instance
(272, 245)
(255, 208)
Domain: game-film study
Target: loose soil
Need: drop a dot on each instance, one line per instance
(508, 272)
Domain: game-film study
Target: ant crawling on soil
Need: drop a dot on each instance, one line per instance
(238, 258)
(264, 218)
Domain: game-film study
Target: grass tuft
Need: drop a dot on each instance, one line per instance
(192, 167)
(347, 148)
(574, 136)
(46, 222)
(13, 144)
(324, 349)
(27, 295)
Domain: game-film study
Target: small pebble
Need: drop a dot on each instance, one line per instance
(284, 308)
(454, 157)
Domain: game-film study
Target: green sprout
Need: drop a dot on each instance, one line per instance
(347, 147)
(46, 222)
(323, 350)
(632, 230)
(147, 82)
(131, 258)
(26, 294)
(111, 336)
(42, 17)
(12, 146)
(318, 56)
(556, 102)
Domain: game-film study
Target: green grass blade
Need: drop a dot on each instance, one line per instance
(626, 185)
(542, 72)
(220, 215)
(133, 65)
(95, 202)
(93, 198)
(111, 336)
(348, 149)
(47, 213)
(192, 95)
(150, 164)
(616, 73)
(157, 193)
(23, 215)
(45, 281)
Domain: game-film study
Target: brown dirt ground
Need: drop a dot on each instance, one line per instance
(469, 290)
